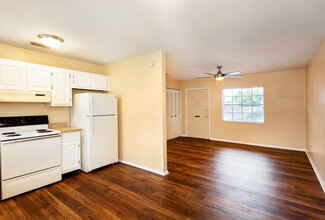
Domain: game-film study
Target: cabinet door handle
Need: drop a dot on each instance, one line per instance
(196, 116)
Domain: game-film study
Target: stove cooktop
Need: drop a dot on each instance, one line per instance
(24, 127)
(26, 134)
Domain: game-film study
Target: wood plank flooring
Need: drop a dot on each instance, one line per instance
(206, 180)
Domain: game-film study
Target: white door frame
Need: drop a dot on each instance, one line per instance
(186, 105)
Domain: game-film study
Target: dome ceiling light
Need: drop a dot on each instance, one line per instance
(48, 41)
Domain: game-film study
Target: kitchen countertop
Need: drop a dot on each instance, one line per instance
(67, 129)
(63, 127)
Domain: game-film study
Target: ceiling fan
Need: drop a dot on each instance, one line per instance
(220, 76)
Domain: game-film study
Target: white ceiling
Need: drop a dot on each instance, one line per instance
(246, 35)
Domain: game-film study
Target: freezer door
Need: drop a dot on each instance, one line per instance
(103, 142)
(102, 104)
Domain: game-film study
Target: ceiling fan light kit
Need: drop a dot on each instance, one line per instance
(219, 76)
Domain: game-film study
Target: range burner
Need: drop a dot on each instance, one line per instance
(13, 135)
(7, 133)
(43, 131)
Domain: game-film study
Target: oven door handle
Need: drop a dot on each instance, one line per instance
(29, 139)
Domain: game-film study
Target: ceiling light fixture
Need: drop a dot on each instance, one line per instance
(219, 78)
(50, 40)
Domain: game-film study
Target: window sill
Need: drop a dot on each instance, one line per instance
(245, 122)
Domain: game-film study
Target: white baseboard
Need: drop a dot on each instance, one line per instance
(321, 181)
(260, 145)
(163, 173)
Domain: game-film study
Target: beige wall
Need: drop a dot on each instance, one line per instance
(56, 114)
(315, 87)
(141, 91)
(173, 83)
(284, 97)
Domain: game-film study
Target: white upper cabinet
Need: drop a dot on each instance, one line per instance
(39, 78)
(100, 82)
(81, 80)
(62, 91)
(12, 75)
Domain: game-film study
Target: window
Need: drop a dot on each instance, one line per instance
(243, 105)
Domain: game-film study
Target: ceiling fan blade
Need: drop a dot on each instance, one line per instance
(233, 73)
(233, 76)
(204, 77)
(210, 74)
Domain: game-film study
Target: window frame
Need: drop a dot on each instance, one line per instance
(249, 122)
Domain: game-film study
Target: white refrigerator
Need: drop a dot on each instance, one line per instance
(96, 114)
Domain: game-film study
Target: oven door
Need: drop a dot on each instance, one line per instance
(21, 157)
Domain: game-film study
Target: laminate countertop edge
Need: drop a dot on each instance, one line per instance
(67, 129)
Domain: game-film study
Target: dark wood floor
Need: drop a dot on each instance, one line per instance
(207, 180)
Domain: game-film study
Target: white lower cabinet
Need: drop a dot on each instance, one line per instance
(70, 151)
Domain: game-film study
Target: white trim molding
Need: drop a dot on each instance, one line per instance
(163, 173)
(208, 88)
(260, 145)
(320, 180)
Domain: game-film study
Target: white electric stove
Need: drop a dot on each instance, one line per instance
(30, 154)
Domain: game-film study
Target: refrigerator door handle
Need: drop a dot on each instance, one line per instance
(90, 104)
(91, 127)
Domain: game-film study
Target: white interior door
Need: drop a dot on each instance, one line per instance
(174, 113)
(179, 114)
(103, 142)
(198, 113)
(167, 113)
